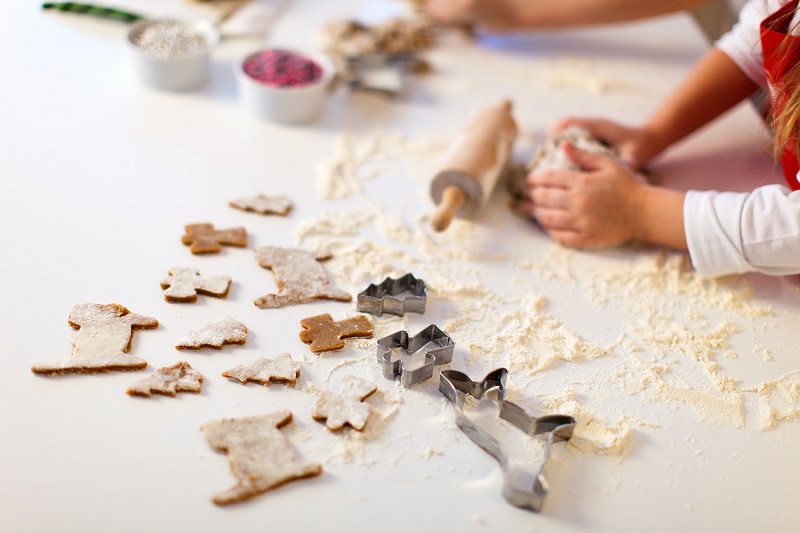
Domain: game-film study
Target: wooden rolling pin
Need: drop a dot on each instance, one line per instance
(473, 164)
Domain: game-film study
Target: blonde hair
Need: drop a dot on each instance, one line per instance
(786, 123)
(786, 119)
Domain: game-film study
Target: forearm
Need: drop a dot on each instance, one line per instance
(659, 217)
(714, 85)
(564, 13)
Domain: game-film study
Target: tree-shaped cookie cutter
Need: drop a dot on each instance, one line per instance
(394, 365)
(456, 385)
(406, 294)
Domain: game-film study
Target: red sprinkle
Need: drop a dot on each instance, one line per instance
(280, 68)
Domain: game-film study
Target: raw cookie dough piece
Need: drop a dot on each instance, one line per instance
(325, 335)
(264, 205)
(169, 380)
(224, 331)
(347, 407)
(103, 338)
(300, 277)
(204, 239)
(261, 456)
(264, 371)
(550, 156)
(184, 284)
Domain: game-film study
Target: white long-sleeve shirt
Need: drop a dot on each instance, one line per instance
(758, 231)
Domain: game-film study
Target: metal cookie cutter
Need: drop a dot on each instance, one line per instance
(549, 429)
(394, 364)
(385, 74)
(392, 296)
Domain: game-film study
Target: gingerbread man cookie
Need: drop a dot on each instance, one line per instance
(261, 456)
(102, 342)
(325, 335)
(300, 277)
(184, 284)
(346, 407)
(204, 239)
(169, 381)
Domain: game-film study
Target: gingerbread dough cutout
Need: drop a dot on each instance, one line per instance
(184, 284)
(214, 335)
(264, 205)
(102, 342)
(265, 371)
(169, 380)
(346, 407)
(300, 277)
(204, 239)
(261, 456)
(325, 335)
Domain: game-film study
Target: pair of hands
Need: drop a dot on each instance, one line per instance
(603, 204)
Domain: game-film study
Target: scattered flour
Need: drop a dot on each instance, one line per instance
(570, 72)
(675, 328)
(591, 434)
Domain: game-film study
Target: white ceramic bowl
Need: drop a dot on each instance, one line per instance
(173, 73)
(289, 105)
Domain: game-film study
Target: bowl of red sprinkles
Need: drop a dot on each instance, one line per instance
(284, 85)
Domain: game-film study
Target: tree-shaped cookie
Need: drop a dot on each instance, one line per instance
(169, 380)
(204, 239)
(282, 369)
(299, 276)
(184, 284)
(102, 342)
(264, 205)
(346, 407)
(325, 335)
(214, 335)
(261, 456)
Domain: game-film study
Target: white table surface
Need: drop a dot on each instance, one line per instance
(99, 175)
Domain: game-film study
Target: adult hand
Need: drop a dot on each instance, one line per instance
(495, 15)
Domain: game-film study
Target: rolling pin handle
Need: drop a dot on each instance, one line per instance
(452, 198)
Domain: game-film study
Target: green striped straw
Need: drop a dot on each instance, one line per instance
(95, 11)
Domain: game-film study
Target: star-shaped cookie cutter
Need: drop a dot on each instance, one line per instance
(394, 364)
(392, 296)
(517, 490)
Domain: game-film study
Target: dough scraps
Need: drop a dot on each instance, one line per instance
(264, 205)
(299, 276)
(325, 335)
(102, 342)
(204, 239)
(260, 455)
(184, 284)
(265, 371)
(226, 330)
(346, 407)
(169, 380)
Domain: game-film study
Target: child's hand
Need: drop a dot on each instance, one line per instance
(635, 146)
(597, 207)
